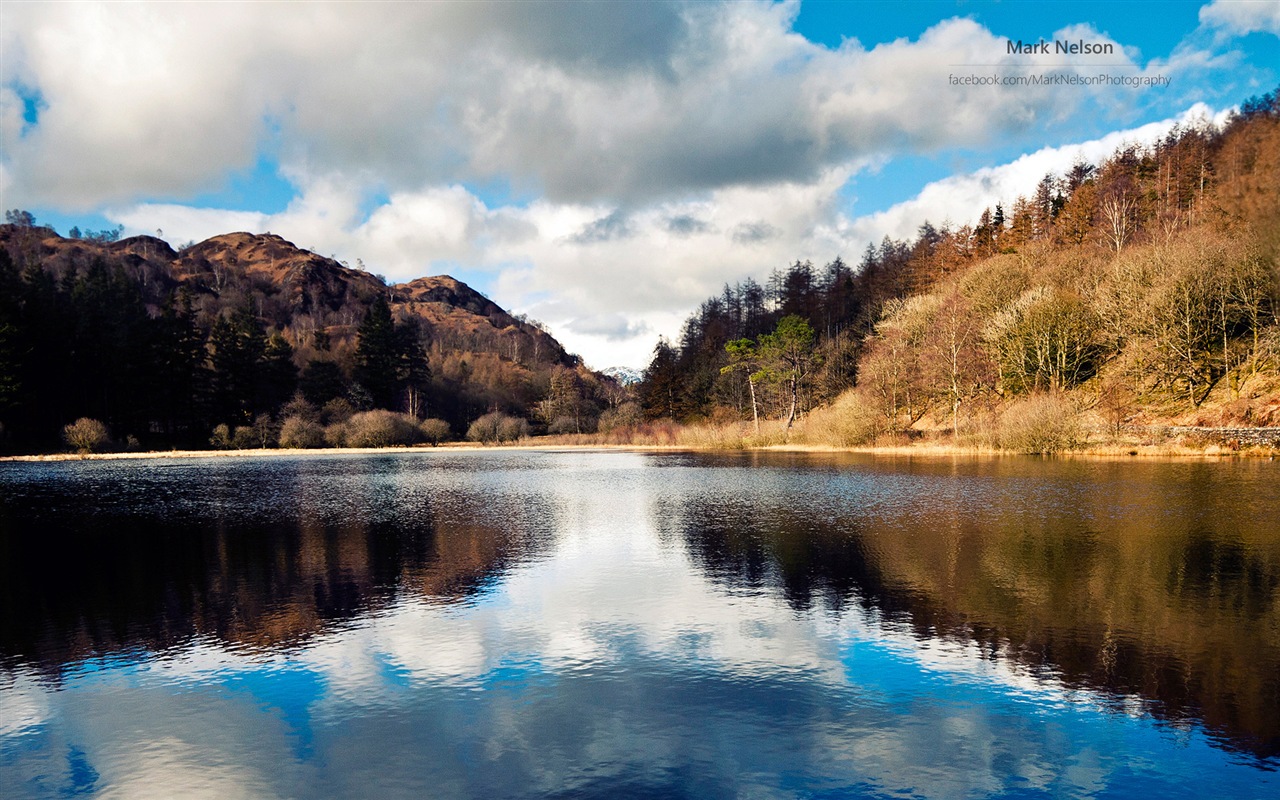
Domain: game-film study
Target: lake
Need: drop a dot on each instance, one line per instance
(581, 624)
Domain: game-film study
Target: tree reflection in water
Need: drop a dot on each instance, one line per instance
(1148, 581)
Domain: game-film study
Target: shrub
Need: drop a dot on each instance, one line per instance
(497, 427)
(337, 411)
(620, 417)
(725, 436)
(221, 438)
(484, 429)
(381, 428)
(847, 422)
(512, 429)
(86, 435)
(301, 432)
(244, 437)
(335, 435)
(563, 425)
(434, 430)
(1040, 424)
(299, 407)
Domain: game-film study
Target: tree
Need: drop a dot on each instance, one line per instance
(1118, 219)
(891, 370)
(660, 390)
(413, 373)
(278, 376)
(179, 353)
(952, 351)
(1046, 340)
(788, 357)
(377, 354)
(86, 435)
(19, 217)
(1076, 220)
(321, 381)
(743, 357)
(239, 345)
(390, 361)
(12, 345)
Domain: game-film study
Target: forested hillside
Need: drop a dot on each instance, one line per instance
(239, 333)
(1145, 288)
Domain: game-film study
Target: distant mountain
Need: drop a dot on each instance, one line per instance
(78, 307)
(308, 291)
(624, 375)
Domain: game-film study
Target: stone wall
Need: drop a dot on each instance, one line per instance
(1231, 437)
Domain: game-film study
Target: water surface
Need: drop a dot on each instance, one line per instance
(609, 624)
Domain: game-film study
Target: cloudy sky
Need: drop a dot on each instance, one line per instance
(601, 166)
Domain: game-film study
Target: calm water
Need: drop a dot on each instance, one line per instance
(582, 624)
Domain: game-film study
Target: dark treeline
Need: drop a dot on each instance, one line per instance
(248, 341)
(687, 380)
(887, 313)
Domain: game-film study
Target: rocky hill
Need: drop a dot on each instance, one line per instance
(480, 357)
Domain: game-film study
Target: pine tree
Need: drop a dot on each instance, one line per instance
(239, 345)
(661, 388)
(378, 355)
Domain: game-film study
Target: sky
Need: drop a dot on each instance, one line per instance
(600, 166)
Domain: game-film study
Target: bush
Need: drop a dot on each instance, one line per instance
(221, 438)
(301, 432)
(86, 435)
(1040, 424)
(513, 429)
(624, 415)
(335, 435)
(299, 407)
(337, 411)
(244, 438)
(484, 429)
(725, 436)
(848, 422)
(563, 425)
(497, 427)
(434, 430)
(380, 428)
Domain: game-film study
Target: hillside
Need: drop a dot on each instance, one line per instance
(1141, 291)
(154, 341)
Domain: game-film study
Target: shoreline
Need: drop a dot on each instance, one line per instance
(932, 450)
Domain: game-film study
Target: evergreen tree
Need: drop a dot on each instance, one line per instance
(179, 355)
(788, 357)
(239, 345)
(378, 355)
(413, 374)
(278, 378)
(321, 381)
(11, 338)
(661, 388)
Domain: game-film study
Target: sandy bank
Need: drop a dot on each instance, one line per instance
(923, 449)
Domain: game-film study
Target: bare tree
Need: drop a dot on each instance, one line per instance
(1118, 212)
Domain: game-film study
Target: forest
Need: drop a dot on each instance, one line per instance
(1141, 289)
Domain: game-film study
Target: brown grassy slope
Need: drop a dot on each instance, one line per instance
(1136, 308)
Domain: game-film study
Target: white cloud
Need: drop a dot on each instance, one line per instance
(1242, 17)
(675, 148)
(958, 199)
(147, 101)
(608, 281)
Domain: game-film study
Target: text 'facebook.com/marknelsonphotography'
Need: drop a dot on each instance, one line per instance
(1058, 79)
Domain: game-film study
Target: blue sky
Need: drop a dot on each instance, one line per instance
(600, 166)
